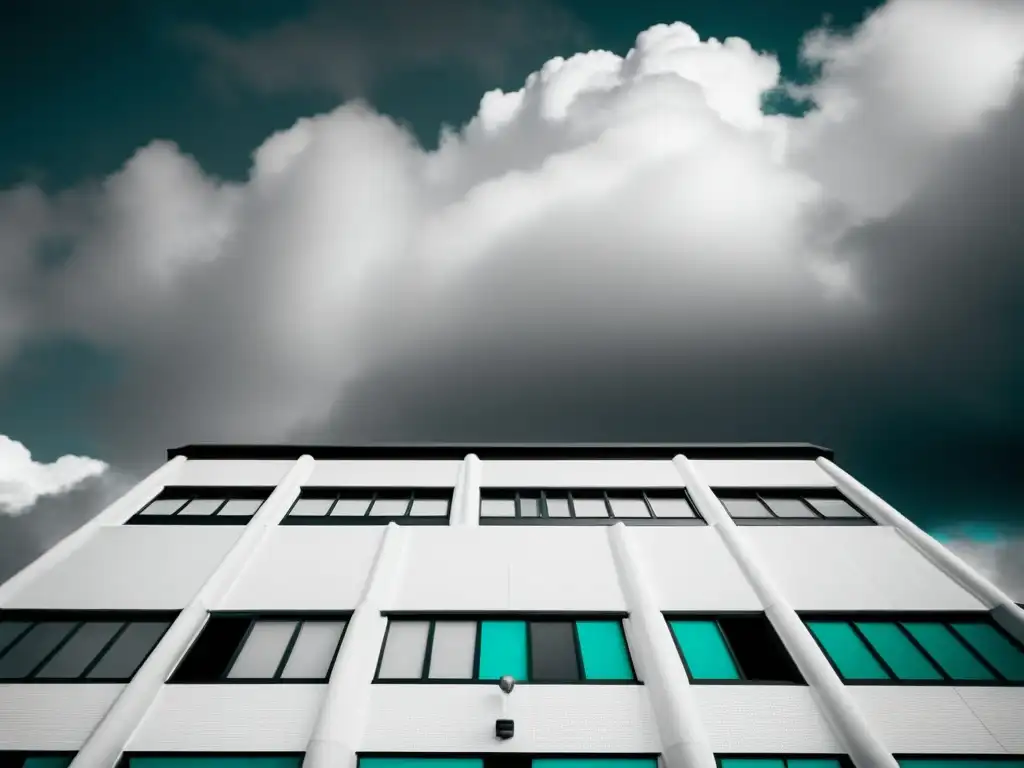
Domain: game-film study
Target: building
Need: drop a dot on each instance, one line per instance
(748, 606)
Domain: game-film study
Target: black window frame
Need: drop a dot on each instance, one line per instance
(79, 618)
(897, 618)
(442, 493)
(605, 494)
(959, 758)
(759, 493)
(715, 616)
(842, 758)
(188, 493)
(480, 616)
(300, 617)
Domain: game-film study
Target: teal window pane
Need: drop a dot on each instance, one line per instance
(813, 762)
(47, 761)
(950, 653)
(704, 649)
(214, 761)
(595, 762)
(996, 648)
(752, 762)
(502, 649)
(603, 647)
(969, 763)
(851, 657)
(421, 762)
(898, 651)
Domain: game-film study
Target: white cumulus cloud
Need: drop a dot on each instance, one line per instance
(23, 481)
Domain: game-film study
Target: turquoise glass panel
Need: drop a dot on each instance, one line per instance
(847, 651)
(968, 763)
(47, 761)
(813, 762)
(996, 648)
(214, 761)
(950, 653)
(603, 647)
(898, 651)
(595, 762)
(503, 649)
(752, 762)
(704, 649)
(421, 762)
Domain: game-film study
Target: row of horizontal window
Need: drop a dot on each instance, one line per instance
(319, 506)
(500, 760)
(541, 648)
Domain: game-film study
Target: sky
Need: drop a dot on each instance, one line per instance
(755, 220)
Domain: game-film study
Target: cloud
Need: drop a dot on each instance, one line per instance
(624, 248)
(23, 481)
(1001, 561)
(344, 50)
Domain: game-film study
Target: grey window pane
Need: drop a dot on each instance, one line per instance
(201, 507)
(557, 507)
(528, 506)
(629, 508)
(311, 507)
(124, 657)
(553, 651)
(590, 507)
(403, 654)
(313, 651)
(746, 508)
(498, 508)
(429, 508)
(78, 652)
(30, 650)
(452, 650)
(10, 630)
(261, 654)
(678, 507)
(834, 507)
(389, 507)
(163, 507)
(789, 508)
(350, 508)
(240, 508)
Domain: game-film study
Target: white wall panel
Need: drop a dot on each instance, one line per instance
(381, 473)
(1001, 710)
(51, 716)
(764, 718)
(692, 570)
(762, 473)
(231, 472)
(549, 718)
(223, 718)
(580, 474)
(504, 567)
(840, 568)
(132, 566)
(307, 567)
(929, 719)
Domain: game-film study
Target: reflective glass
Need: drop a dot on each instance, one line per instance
(951, 654)
(626, 507)
(851, 657)
(404, 650)
(587, 507)
(704, 649)
(429, 508)
(997, 649)
(664, 507)
(498, 508)
(553, 652)
(752, 762)
(503, 649)
(314, 648)
(898, 651)
(240, 508)
(262, 650)
(528, 505)
(201, 507)
(603, 648)
(834, 507)
(790, 508)
(389, 507)
(9, 630)
(421, 762)
(25, 655)
(557, 506)
(745, 508)
(215, 761)
(163, 507)
(80, 650)
(452, 650)
(311, 507)
(123, 658)
(350, 508)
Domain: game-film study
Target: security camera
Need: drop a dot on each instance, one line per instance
(507, 683)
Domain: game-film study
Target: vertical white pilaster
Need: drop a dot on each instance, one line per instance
(466, 501)
(116, 513)
(342, 719)
(852, 728)
(1004, 609)
(110, 737)
(684, 740)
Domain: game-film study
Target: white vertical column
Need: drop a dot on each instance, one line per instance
(839, 708)
(466, 500)
(110, 737)
(343, 714)
(1004, 609)
(116, 513)
(684, 740)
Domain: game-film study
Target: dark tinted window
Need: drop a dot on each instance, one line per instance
(553, 651)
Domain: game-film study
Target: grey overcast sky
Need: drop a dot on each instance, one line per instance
(543, 220)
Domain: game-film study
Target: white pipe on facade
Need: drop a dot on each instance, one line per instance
(1004, 609)
(852, 728)
(110, 737)
(344, 711)
(115, 514)
(471, 491)
(684, 740)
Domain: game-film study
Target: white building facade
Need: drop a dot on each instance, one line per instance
(742, 606)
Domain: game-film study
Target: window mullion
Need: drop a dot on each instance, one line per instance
(923, 651)
(238, 650)
(14, 641)
(476, 651)
(428, 650)
(580, 671)
(971, 649)
(766, 505)
(106, 647)
(56, 649)
(288, 650)
(871, 649)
